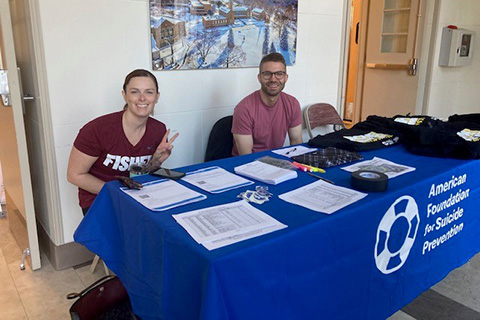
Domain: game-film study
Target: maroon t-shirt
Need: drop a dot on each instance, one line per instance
(268, 126)
(104, 138)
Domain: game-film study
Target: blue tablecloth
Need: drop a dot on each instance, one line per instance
(320, 267)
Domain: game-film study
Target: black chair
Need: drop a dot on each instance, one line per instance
(220, 141)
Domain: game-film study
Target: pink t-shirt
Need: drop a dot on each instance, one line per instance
(104, 138)
(267, 125)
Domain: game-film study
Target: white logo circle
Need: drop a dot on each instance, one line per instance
(404, 208)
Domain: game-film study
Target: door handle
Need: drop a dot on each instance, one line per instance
(387, 66)
(411, 67)
(5, 91)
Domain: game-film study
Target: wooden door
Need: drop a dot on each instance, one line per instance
(352, 64)
(13, 147)
(393, 35)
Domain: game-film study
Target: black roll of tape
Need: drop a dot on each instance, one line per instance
(369, 181)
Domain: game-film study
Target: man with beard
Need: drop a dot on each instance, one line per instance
(262, 119)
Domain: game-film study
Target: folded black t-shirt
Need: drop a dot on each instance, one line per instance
(354, 140)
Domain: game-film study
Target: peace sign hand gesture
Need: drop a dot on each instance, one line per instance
(164, 149)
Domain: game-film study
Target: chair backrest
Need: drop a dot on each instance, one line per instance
(321, 114)
(220, 141)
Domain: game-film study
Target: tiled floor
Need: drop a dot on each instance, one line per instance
(41, 294)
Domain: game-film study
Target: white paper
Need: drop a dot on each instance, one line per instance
(265, 172)
(322, 197)
(391, 169)
(164, 194)
(215, 180)
(225, 224)
(293, 151)
(242, 236)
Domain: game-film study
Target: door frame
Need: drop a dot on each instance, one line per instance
(345, 47)
(424, 66)
(50, 178)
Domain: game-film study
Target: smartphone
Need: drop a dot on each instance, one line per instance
(169, 174)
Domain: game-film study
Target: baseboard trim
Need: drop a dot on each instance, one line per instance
(63, 256)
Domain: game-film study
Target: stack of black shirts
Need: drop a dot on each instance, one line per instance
(459, 137)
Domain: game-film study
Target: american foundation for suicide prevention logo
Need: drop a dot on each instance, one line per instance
(396, 234)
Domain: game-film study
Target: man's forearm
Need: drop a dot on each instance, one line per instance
(244, 143)
(295, 135)
(296, 140)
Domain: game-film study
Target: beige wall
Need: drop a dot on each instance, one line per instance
(455, 89)
(91, 45)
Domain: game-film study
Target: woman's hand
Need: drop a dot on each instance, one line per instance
(164, 149)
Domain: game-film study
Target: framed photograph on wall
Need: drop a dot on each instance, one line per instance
(214, 34)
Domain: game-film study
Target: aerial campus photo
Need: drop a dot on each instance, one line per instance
(212, 34)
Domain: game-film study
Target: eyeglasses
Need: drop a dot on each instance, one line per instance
(267, 75)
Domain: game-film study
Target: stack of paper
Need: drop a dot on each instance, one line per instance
(265, 173)
(161, 195)
(322, 197)
(225, 224)
(215, 180)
